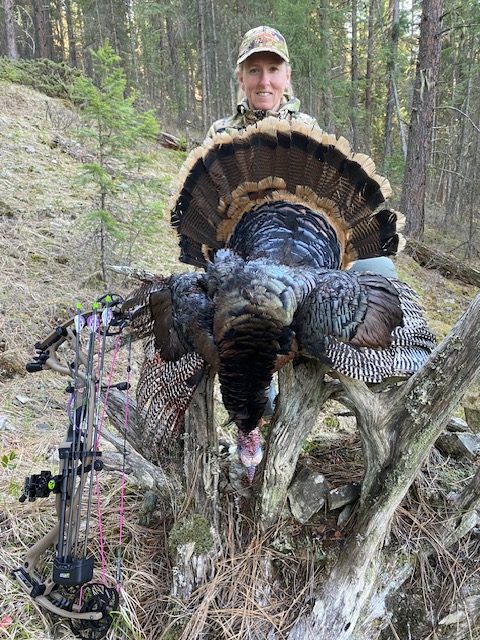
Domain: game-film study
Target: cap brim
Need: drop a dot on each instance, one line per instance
(260, 50)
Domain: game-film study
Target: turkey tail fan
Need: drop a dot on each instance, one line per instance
(411, 344)
(377, 235)
(278, 160)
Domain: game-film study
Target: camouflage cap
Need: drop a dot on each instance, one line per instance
(263, 39)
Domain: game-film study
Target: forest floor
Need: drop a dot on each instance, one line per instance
(48, 263)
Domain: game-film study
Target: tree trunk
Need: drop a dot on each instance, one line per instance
(397, 430)
(72, 44)
(202, 35)
(449, 266)
(394, 12)
(61, 30)
(326, 100)
(354, 77)
(369, 77)
(412, 202)
(10, 30)
(41, 31)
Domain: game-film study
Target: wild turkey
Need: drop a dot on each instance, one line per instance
(274, 214)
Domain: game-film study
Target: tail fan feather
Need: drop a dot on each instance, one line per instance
(279, 160)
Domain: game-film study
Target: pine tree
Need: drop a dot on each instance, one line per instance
(115, 129)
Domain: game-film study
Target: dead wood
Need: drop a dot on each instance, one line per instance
(397, 426)
(449, 266)
(170, 141)
(412, 416)
(305, 392)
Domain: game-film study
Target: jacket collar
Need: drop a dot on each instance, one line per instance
(288, 105)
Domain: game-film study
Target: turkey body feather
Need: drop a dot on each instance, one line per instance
(274, 214)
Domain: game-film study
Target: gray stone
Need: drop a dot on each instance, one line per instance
(344, 515)
(42, 426)
(5, 425)
(459, 445)
(22, 399)
(307, 494)
(457, 424)
(341, 496)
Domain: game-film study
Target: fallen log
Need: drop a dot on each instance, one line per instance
(449, 266)
(170, 141)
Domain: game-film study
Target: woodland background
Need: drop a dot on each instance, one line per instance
(353, 69)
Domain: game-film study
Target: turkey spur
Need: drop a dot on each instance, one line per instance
(275, 215)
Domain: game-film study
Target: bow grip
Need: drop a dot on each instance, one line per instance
(60, 332)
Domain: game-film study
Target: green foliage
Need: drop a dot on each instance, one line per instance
(7, 460)
(115, 129)
(55, 79)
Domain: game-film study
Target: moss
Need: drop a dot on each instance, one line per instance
(331, 422)
(193, 528)
(55, 79)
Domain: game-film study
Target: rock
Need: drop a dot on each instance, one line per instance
(344, 515)
(5, 425)
(459, 445)
(147, 509)
(42, 426)
(457, 424)
(343, 495)
(22, 399)
(307, 494)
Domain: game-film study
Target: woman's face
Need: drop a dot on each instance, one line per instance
(264, 78)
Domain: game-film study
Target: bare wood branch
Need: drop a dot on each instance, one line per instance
(465, 115)
(371, 410)
(192, 566)
(306, 392)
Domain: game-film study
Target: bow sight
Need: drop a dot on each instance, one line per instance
(68, 591)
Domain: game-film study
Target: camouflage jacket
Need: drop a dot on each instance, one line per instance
(245, 116)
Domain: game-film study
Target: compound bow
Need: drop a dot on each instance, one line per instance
(69, 591)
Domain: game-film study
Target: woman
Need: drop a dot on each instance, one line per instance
(264, 89)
